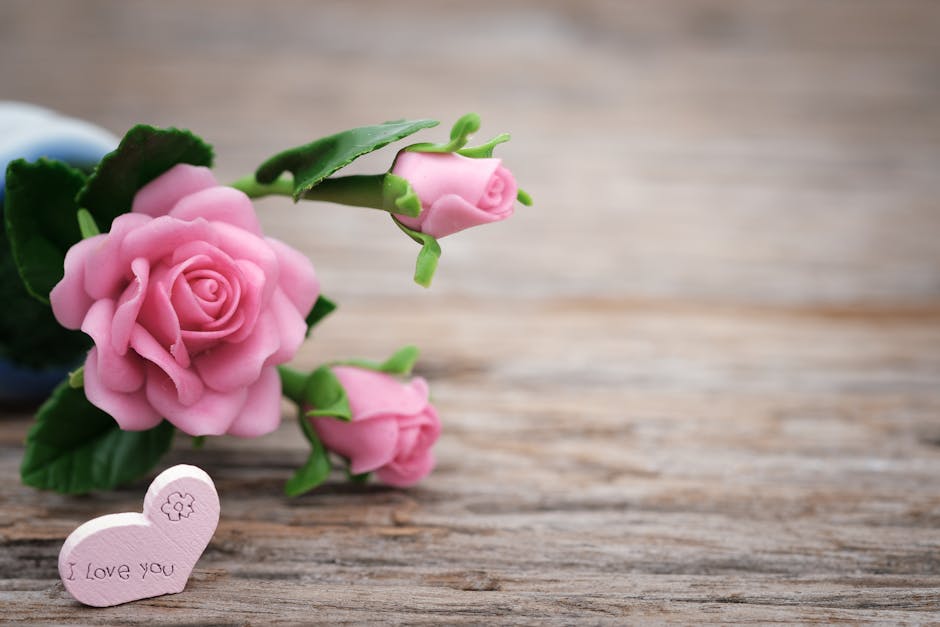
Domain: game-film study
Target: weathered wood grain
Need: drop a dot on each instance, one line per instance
(699, 381)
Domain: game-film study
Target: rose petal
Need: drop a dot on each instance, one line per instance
(419, 386)
(291, 326)
(219, 204)
(132, 411)
(499, 197)
(157, 197)
(212, 414)
(373, 393)
(161, 236)
(230, 366)
(255, 293)
(368, 444)
(418, 433)
(262, 411)
(297, 277)
(407, 438)
(106, 273)
(451, 213)
(128, 307)
(198, 342)
(187, 385)
(120, 373)
(244, 246)
(405, 475)
(159, 318)
(69, 300)
(429, 428)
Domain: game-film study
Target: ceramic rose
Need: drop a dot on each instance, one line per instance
(193, 313)
(190, 307)
(456, 192)
(392, 430)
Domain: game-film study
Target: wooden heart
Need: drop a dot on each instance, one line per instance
(118, 558)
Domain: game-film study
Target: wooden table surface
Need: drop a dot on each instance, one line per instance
(698, 381)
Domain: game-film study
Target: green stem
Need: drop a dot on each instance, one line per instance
(281, 187)
(293, 383)
(385, 192)
(364, 190)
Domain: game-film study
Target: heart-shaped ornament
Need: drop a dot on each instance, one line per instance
(118, 558)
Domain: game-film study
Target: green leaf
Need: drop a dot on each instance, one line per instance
(399, 197)
(30, 336)
(524, 198)
(144, 154)
(484, 150)
(360, 479)
(293, 383)
(321, 309)
(428, 256)
(40, 220)
(400, 363)
(77, 378)
(313, 162)
(309, 432)
(87, 224)
(75, 448)
(460, 132)
(314, 471)
(326, 396)
(317, 467)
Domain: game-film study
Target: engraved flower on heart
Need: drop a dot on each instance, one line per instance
(178, 505)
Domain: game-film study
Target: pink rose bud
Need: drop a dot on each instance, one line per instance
(456, 192)
(190, 307)
(392, 430)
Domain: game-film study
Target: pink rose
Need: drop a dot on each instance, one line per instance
(456, 192)
(190, 308)
(392, 430)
